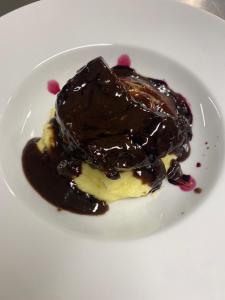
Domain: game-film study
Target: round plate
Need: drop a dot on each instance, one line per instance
(132, 252)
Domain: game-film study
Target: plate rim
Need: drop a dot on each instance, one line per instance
(185, 228)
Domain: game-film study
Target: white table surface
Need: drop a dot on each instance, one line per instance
(216, 7)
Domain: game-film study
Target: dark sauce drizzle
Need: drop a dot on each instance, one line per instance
(42, 172)
(50, 173)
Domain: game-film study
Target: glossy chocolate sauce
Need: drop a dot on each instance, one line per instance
(115, 120)
(153, 174)
(50, 174)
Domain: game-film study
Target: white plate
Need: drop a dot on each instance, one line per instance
(50, 255)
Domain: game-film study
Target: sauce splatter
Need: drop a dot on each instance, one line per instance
(124, 60)
(198, 164)
(197, 190)
(206, 143)
(53, 87)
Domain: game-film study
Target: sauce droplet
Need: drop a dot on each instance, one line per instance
(197, 190)
(53, 87)
(198, 164)
(124, 60)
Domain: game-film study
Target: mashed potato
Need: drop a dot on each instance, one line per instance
(95, 182)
